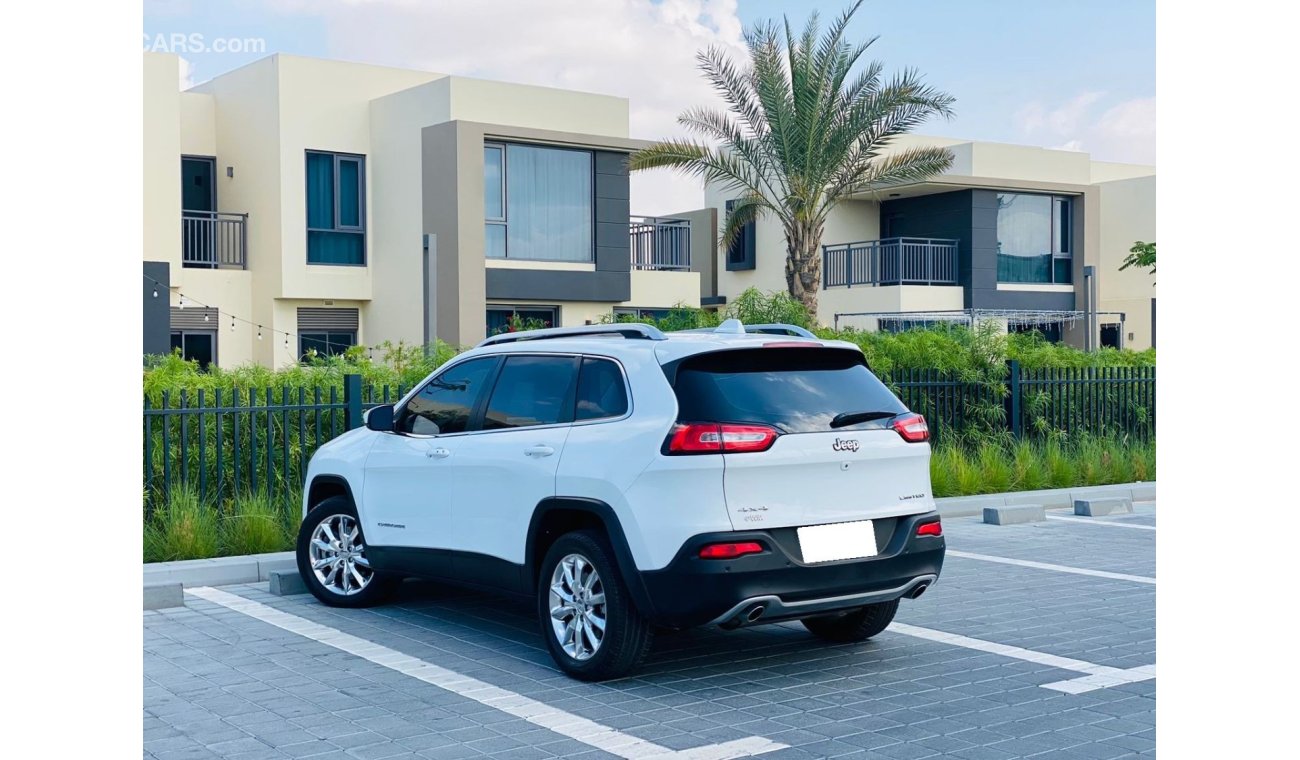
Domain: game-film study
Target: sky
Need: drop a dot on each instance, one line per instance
(1067, 74)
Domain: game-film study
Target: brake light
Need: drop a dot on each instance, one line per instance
(912, 427)
(930, 529)
(730, 551)
(789, 344)
(712, 438)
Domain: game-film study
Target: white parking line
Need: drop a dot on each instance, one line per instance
(1097, 676)
(1049, 566)
(566, 724)
(1096, 521)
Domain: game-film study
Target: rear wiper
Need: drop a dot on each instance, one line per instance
(852, 418)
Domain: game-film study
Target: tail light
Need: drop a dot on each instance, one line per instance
(912, 427)
(712, 438)
(730, 551)
(930, 529)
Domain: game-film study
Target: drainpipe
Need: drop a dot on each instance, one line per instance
(1090, 307)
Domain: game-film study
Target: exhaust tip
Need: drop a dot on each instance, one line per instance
(916, 594)
(755, 613)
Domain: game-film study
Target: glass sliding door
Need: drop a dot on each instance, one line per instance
(538, 203)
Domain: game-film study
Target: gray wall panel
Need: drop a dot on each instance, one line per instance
(157, 311)
(555, 286)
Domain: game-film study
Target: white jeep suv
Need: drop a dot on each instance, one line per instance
(630, 479)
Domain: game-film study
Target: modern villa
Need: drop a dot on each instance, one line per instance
(298, 204)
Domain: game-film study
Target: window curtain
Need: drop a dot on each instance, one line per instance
(1024, 238)
(320, 191)
(548, 204)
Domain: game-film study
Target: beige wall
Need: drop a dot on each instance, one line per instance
(653, 289)
(162, 163)
(1128, 214)
(891, 298)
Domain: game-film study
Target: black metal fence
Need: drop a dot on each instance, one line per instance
(1099, 401)
(223, 443)
(251, 439)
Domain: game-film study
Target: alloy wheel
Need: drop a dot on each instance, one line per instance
(338, 556)
(577, 602)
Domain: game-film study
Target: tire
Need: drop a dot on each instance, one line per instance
(856, 625)
(585, 652)
(360, 586)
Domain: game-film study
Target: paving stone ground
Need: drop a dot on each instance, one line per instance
(218, 683)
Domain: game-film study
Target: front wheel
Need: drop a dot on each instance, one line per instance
(332, 559)
(591, 627)
(856, 625)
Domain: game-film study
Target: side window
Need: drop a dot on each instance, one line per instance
(445, 404)
(532, 390)
(600, 390)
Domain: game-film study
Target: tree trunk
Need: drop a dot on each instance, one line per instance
(803, 264)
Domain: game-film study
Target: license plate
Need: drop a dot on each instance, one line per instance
(827, 543)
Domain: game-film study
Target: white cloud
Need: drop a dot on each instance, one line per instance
(1123, 131)
(637, 49)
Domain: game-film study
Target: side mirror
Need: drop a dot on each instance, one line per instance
(380, 418)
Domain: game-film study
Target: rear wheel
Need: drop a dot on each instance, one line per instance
(332, 559)
(855, 625)
(591, 627)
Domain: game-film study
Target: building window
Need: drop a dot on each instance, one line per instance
(336, 209)
(196, 346)
(502, 319)
(635, 314)
(538, 203)
(740, 254)
(1034, 238)
(326, 331)
(325, 343)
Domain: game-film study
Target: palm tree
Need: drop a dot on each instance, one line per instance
(798, 135)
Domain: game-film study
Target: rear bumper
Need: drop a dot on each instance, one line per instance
(691, 591)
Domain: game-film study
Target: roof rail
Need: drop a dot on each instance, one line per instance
(629, 330)
(781, 329)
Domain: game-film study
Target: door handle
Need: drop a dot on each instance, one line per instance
(438, 453)
(540, 450)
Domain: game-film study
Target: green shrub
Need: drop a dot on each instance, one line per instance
(181, 527)
(1029, 467)
(997, 465)
(995, 468)
(254, 524)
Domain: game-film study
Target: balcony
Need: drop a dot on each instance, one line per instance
(214, 240)
(660, 243)
(892, 261)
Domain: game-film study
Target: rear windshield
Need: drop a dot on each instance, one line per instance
(796, 390)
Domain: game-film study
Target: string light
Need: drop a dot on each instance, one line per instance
(207, 317)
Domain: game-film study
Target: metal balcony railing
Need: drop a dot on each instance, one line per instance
(214, 240)
(661, 243)
(892, 261)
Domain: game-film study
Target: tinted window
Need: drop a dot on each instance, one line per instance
(446, 403)
(600, 390)
(532, 390)
(797, 390)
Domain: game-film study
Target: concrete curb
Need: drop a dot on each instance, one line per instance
(161, 596)
(220, 571)
(1057, 498)
(1014, 515)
